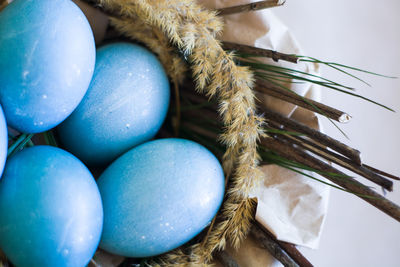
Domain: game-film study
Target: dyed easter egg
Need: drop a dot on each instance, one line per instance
(158, 196)
(51, 210)
(3, 141)
(47, 58)
(126, 104)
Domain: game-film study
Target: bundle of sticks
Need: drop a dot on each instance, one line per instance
(308, 147)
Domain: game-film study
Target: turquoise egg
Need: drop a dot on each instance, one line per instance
(47, 57)
(158, 196)
(51, 210)
(3, 141)
(125, 105)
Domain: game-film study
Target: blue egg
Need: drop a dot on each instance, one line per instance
(47, 57)
(158, 196)
(51, 210)
(125, 105)
(3, 141)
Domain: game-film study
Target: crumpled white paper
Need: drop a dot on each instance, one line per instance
(291, 206)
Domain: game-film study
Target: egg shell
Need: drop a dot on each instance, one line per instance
(158, 196)
(51, 210)
(47, 57)
(3, 141)
(125, 105)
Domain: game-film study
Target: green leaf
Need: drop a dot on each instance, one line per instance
(330, 64)
(19, 144)
(49, 138)
(262, 70)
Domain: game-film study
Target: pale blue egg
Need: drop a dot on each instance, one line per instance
(158, 196)
(47, 57)
(3, 141)
(51, 210)
(125, 105)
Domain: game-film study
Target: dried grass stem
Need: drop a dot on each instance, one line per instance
(292, 97)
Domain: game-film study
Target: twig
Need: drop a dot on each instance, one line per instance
(340, 160)
(226, 259)
(289, 248)
(276, 56)
(382, 172)
(250, 7)
(319, 137)
(300, 101)
(296, 255)
(271, 245)
(288, 151)
(298, 155)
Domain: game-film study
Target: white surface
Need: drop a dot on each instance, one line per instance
(366, 34)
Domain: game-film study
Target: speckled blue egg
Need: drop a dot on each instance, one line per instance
(158, 196)
(47, 57)
(125, 105)
(51, 210)
(3, 141)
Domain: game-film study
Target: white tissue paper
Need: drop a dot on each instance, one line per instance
(291, 206)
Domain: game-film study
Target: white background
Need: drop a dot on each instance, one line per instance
(366, 34)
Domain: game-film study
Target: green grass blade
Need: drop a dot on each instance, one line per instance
(340, 70)
(330, 64)
(20, 143)
(50, 139)
(334, 88)
(289, 72)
